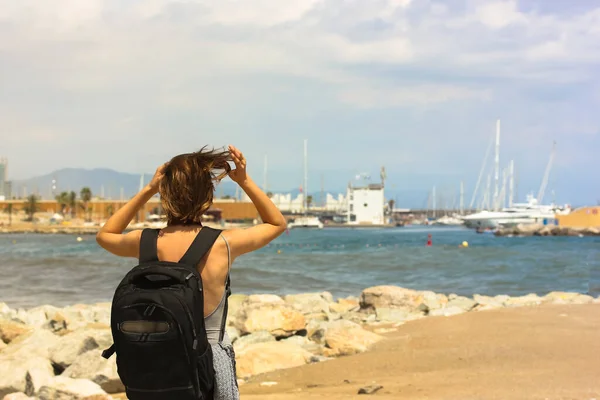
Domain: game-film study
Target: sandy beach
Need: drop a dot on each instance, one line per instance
(546, 352)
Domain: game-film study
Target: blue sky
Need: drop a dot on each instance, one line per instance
(416, 86)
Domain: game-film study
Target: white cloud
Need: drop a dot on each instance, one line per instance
(499, 14)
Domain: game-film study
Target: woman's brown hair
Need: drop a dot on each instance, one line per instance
(187, 188)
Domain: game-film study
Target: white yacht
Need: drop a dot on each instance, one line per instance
(520, 213)
(306, 222)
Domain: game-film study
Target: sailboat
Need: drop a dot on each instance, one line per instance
(530, 212)
(306, 221)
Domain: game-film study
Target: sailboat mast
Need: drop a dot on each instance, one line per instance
(511, 192)
(305, 177)
(462, 198)
(497, 166)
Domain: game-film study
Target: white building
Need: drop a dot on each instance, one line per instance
(338, 204)
(285, 202)
(366, 205)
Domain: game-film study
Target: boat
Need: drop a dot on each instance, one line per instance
(520, 213)
(447, 220)
(306, 222)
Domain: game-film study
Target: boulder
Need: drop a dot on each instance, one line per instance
(394, 315)
(70, 346)
(344, 305)
(233, 333)
(253, 338)
(63, 388)
(36, 317)
(306, 344)
(9, 330)
(259, 358)
(434, 301)
(36, 342)
(281, 320)
(25, 375)
(234, 304)
(447, 312)
(2, 346)
(390, 297)
(567, 298)
(462, 302)
(18, 396)
(309, 303)
(91, 365)
(488, 303)
(523, 301)
(6, 312)
(263, 299)
(346, 338)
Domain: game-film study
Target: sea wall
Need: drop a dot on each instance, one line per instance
(542, 230)
(48, 351)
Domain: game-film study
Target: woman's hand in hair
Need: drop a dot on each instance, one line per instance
(238, 175)
(158, 175)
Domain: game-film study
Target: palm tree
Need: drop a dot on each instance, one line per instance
(9, 211)
(391, 205)
(309, 200)
(110, 210)
(63, 200)
(269, 194)
(73, 203)
(31, 206)
(86, 197)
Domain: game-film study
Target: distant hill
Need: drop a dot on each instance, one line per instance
(101, 181)
(108, 182)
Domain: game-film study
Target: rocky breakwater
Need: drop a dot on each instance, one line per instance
(49, 353)
(522, 230)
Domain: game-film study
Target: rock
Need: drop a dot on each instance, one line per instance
(315, 331)
(346, 338)
(259, 358)
(522, 301)
(369, 389)
(263, 299)
(487, 303)
(6, 312)
(63, 388)
(567, 298)
(70, 346)
(233, 333)
(434, 301)
(25, 375)
(91, 365)
(392, 314)
(253, 338)
(34, 343)
(36, 317)
(18, 396)
(462, 302)
(279, 319)
(447, 312)
(306, 344)
(234, 304)
(309, 303)
(344, 305)
(2, 346)
(390, 297)
(9, 330)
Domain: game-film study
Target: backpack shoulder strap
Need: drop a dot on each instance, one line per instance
(200, 246)
(148, 251)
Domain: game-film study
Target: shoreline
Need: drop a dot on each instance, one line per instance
(270, 334)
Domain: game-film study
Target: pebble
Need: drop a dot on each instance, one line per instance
(369, 389)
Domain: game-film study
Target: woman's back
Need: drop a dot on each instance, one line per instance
(172, 244)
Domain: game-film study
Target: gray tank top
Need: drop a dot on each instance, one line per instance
(213, 321)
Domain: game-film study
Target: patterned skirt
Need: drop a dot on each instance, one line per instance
(226, 386)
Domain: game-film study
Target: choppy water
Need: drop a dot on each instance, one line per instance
(58, 270)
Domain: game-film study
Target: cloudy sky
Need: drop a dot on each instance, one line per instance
(416, 86)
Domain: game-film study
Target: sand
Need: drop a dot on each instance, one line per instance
(546, 352)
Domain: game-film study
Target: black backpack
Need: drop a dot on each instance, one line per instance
(157, 323)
